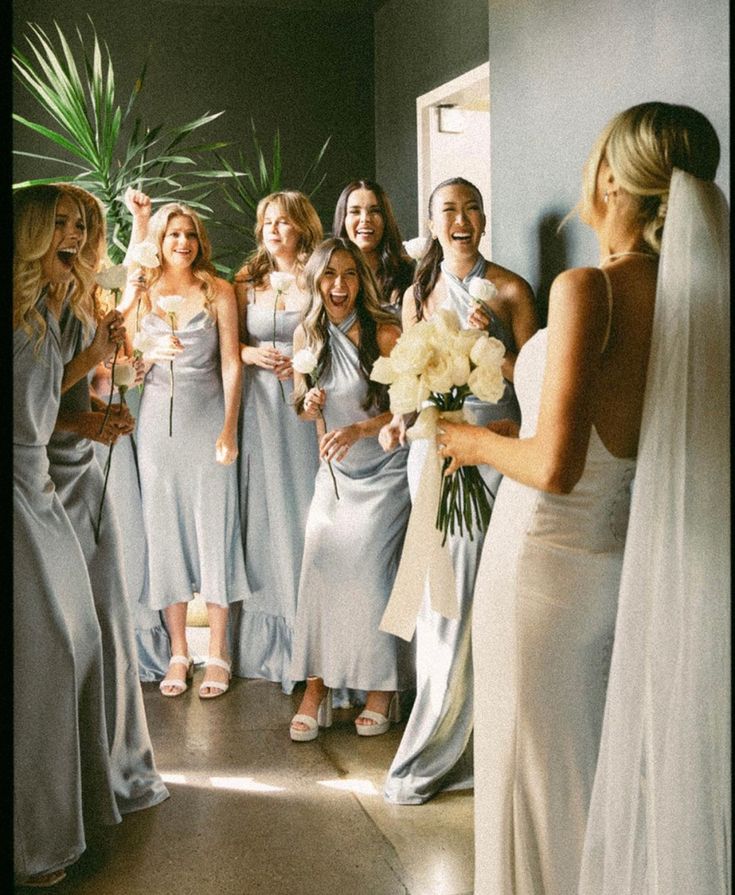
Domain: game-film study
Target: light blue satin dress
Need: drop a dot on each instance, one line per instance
(435, 752)
(78, 478)
(190, 502)
(352, 546)
(278, 462)
(63, 779)
(123, 489)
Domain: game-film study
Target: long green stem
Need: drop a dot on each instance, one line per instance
(104, 491)
(112, 388)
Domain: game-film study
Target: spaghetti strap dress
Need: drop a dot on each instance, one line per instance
(277, 465)
(544, 616)
(191, 509)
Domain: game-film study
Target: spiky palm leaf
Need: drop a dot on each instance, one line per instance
(243, 187)
(90, 127)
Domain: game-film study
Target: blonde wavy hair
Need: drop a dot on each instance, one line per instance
(295, 206)
(370, 315)
(202, 267)
(34, 223)
(643, 145)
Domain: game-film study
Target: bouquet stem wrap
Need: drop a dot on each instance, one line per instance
(425, 560)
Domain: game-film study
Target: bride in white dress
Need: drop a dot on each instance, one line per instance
(547, 587)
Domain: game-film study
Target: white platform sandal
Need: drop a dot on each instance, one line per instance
(381, 723)
(176, 684)
(220, 686)
(323, 719)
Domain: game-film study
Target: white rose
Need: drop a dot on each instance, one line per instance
(481, 290)
(464, 341)
(411, 355)
(281, 281)
(487, 383)
(437, 375)
(407, 394)
(460, 368)
(384, 371)
(143, 253)
(113, 277)
(416, 247)
(487, 351)
(123, 375)
(446, 321)
(304, 362)
(144, 343)
(170, 304)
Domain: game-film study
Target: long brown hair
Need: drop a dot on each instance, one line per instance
(370, 315)
(395, 268)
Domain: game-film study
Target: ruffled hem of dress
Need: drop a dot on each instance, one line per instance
(262, 649)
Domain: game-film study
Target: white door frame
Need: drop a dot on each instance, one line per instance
(479, 76)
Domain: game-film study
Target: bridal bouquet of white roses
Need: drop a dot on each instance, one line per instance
(433, 367)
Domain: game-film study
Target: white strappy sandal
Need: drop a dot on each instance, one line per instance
(220, 686)
(174, 683)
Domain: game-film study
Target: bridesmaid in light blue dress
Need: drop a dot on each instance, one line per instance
(435, 752)
(123, 487)
(187, 436)
(279, 454)
(78, 478)
(63, 780)
(358, 516)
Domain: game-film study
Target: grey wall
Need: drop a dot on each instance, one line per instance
(308, 72)
(419, 45)
(559, 70)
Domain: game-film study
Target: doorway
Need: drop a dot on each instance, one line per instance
(453, 123)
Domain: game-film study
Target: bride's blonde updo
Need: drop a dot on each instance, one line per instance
(643, 145)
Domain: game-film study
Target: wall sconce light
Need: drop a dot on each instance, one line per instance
(450, 119)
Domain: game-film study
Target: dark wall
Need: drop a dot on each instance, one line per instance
(419, 45)
(307, 72)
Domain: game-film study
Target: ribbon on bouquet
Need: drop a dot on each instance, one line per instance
(425, 563)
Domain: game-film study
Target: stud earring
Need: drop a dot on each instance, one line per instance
(606, 197)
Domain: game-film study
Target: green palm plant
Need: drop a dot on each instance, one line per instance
(242, 189)
(91, 131)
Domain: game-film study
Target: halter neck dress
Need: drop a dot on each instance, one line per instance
(435, 752)
(352, 545)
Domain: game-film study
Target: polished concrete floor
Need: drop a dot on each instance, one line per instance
(252, 813)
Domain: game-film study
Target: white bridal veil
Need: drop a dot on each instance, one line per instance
(659, 820)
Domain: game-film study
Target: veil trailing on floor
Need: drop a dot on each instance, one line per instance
(659, 818)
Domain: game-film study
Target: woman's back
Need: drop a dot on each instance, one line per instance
(622, 375)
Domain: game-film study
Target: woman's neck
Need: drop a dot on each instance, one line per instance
(176, 280)
(284, 264)
(373, 260)
(461, 266)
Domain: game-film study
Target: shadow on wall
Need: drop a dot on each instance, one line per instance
(552, 260)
